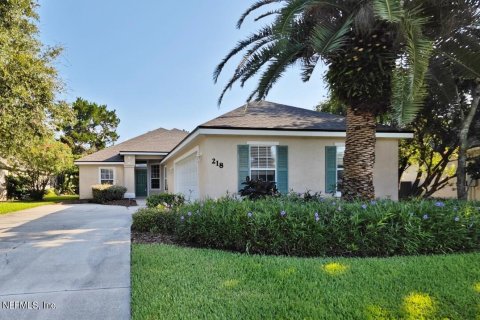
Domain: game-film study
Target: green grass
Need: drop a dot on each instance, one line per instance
(12, 206)
(170, 282)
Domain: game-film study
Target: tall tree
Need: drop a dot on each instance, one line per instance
(93, 128)
(28, 79)
(40, 162)
(377, 52)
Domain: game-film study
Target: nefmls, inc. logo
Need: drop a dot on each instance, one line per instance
(20, 305)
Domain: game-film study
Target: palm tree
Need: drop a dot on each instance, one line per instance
(377, 55)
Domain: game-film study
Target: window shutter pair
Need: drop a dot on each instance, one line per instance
(330, 169)
(282, 166)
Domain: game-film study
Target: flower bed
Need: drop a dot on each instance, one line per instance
(293, 226)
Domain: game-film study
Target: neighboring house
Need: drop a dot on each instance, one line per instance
(3, 191)
(299, 149)
(450, 190)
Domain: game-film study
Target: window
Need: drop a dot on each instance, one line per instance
(107, 176)
(263, 163)
(165, 185)
(340, 154)
(155, 176)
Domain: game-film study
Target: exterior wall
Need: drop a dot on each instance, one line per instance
(90, 175)
(129, 175)
(306, 157)
(3, 191)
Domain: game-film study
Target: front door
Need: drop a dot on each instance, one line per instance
(141, 183)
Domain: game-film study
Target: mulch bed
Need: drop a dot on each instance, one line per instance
(125, 203)
(78, 201)
(148, 237)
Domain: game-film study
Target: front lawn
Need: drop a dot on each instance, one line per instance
(170, 282)
(12, 206)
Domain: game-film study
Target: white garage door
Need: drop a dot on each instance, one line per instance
(186, 177)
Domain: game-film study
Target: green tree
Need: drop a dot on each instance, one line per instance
(28, 79)
(377, 53)
(93, 128)
(39, 163)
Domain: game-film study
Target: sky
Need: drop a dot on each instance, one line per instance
(152, 60)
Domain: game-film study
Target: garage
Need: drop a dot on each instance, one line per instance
(186, 177)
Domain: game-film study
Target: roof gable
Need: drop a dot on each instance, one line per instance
(159, 140)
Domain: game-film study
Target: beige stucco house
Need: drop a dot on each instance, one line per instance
(299, 149)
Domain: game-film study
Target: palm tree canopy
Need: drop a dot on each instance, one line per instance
(377, 51)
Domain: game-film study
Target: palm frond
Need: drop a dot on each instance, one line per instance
(418, 53)
(254, 7)
(309, 67)
(389, 10)
(267, 14)
(327, 38)
(463, 52)
(249, 67)
(241, 45)
(287, 16)
(442, 80)
(276, 68)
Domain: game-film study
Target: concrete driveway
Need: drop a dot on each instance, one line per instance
(65, 262)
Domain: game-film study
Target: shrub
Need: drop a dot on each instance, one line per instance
(154, 220)
(168, 199)
(104, 192)
(327, 228)
(17, 187)
(257, 189)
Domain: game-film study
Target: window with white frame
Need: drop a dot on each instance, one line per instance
(340, 155)
(107, 176)
(165, 184)
(155, 176)
(263, 163)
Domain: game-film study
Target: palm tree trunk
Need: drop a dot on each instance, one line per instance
(359, 157)
(462, 192)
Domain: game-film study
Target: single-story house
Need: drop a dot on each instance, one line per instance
(297, 148)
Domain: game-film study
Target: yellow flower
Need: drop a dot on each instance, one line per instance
(334, 268)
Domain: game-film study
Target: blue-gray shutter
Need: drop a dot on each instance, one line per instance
(330, 169)
(282, 169)
(243, 152)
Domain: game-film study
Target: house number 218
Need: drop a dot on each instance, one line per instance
(217, 163)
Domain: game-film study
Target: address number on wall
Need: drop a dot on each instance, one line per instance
(217, 163)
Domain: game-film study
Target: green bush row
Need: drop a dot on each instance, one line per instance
(284, 226)
(104, 192)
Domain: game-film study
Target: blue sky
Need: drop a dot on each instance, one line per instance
(153, 60)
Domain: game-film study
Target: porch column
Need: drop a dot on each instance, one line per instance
(129, 175)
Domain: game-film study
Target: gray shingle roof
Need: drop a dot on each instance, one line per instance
(269, 115)
(159, 140)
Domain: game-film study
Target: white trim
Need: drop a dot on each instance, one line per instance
(262, 169)
(293, 133)
(79, 163)
(159, 177)
(141, 153)
(278, 133)
(107, 168)
(188, 154)
(165, 178)
(263, 143)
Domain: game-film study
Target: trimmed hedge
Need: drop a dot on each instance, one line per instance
(286, 226)
(165, 199)
(104, 192)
